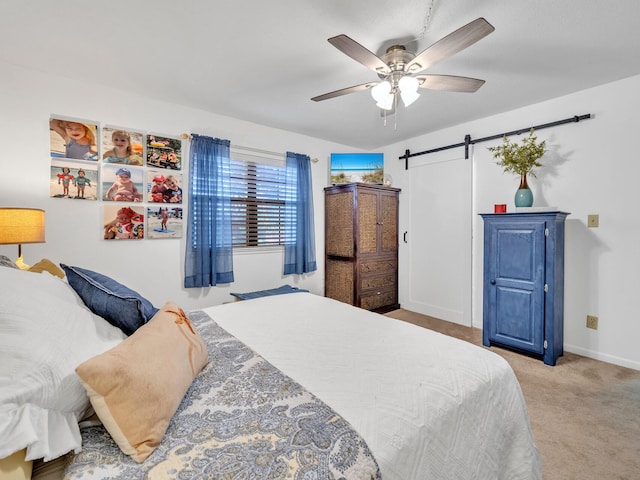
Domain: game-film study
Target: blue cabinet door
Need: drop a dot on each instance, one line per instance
(514, 284)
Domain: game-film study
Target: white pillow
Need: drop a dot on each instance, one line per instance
(45, 333)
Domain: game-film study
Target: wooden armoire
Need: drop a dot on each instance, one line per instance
(361, 245)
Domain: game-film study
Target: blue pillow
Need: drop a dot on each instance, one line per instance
(267, 293)
(117, 304)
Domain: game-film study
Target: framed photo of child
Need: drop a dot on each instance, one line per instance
(164, 187)
(122, 183)
(73, 180)
(164, 152)
(73, 138)
(123, 222)
(164, 221)
(125, 147)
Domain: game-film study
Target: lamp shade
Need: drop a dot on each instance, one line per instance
(21, 225)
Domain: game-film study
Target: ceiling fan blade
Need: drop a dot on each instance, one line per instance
(450, 83)
(360, 54)
(344, 91)
(451, 44)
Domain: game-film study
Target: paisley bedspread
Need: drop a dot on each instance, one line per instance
(242, 418)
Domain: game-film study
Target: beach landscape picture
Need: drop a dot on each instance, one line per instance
(357, 167)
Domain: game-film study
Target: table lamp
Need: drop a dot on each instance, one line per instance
(21, 225)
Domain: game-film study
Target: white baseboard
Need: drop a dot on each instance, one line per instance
(603, 357)
(623, 362)
(435, 311)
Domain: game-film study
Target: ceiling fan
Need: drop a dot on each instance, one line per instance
(398, 67)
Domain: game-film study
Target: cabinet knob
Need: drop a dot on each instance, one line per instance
(493, 282)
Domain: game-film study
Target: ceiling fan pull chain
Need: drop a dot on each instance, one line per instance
(426, 23)
(395, 117)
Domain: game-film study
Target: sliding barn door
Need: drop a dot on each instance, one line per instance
(436, 268)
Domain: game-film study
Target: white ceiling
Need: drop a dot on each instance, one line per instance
(262, 61)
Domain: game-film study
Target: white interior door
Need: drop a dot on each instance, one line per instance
(437, 263)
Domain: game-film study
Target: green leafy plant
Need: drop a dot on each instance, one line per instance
(519, 158)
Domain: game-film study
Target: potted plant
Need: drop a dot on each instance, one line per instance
(520, 159)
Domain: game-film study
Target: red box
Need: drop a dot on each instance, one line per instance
(500, 208)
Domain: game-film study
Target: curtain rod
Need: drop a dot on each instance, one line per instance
(468, 141)
(240, 147)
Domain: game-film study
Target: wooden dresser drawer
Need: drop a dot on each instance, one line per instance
(378, 281)
(378, 266)
(379, 299)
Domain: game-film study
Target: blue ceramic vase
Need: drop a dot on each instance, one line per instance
(524, 195)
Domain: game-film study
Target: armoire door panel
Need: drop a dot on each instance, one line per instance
(518, 321)
(389, 222)
(367, 223)
(520, 251)
(339, 231)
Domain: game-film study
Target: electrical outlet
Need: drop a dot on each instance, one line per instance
(593, 220)
(592, 322)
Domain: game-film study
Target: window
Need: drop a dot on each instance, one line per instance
(258, 192)
(246, 203)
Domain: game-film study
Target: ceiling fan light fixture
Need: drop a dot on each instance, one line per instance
(387, 102)
(381, 91)
(409, 89)
(409, 97)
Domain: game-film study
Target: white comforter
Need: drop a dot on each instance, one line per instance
(429, 406)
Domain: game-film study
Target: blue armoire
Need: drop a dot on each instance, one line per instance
(523, 293)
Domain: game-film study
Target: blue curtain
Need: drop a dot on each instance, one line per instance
(300, 245)
(209, 252)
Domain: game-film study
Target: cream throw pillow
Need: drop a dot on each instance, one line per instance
(46, 265)
(137, 386)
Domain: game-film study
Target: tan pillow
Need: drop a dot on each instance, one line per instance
(136, 387)
(46, 265)
(15, 467)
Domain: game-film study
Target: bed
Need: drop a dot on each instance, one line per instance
(429, 406)
(286, 386)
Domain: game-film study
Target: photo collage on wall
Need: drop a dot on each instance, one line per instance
(136, 175)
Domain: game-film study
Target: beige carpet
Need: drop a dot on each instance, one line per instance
(585, 414)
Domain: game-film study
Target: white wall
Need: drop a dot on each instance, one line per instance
(591, 167)
(73, 228)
